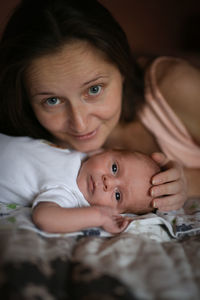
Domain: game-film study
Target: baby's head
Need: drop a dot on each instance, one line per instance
(118, 178)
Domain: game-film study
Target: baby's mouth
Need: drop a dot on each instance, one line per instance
(91, 185)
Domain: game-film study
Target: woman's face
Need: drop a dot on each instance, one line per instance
(76, 95)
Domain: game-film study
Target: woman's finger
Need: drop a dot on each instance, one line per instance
(166, 189)
(159, 158)
(167, 203)
(171, 174)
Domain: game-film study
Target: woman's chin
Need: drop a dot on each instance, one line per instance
(87, 147)
(85, 144)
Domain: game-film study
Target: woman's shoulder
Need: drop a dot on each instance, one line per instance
(176, 75)
(179, 83)
(177, 80)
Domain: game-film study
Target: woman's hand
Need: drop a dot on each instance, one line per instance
(169, 189)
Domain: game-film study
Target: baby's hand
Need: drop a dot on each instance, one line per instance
(112, 221)
(170, 186)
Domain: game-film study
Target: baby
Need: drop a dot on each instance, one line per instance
(70, 191)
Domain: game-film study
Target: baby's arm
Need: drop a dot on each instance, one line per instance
(53, 218)
(170, 183)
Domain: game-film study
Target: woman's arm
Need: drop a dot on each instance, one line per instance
(180, 85)
(53, 218)
(193, 180)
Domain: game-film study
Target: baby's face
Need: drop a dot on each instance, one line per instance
(119, 180)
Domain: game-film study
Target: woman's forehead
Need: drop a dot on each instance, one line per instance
(78, 63)
(72, 52)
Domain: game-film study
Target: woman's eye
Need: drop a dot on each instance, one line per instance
(117, 196)
(52, 101)
(94, 90)
(114, 168)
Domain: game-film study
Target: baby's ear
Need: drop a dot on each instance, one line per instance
(96, 152)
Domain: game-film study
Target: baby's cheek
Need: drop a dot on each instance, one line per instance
(101, 198)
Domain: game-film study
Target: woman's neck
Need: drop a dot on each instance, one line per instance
(132, 136)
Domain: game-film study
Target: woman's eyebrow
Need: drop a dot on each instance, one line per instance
(84, 84)
(42, 93)
(94, 79)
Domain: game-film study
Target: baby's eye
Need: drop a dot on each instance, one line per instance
(52, 101)
(117, 196)
(94, 90)
(114, 168)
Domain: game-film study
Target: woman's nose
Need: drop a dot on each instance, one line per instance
(78, 119)
(108, 182)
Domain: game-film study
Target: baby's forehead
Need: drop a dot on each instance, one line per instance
(123, 155)
(132, 157)
(137, 160)
(128, 155)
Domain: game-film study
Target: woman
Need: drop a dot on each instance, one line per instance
(67, 75)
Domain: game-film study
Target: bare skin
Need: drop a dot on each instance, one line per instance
(164, 182)
(176, 90)
(47, 214)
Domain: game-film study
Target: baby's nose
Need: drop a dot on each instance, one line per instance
(108, 182)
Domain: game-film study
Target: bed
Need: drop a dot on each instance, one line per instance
(157, 257)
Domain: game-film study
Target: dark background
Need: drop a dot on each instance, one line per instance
(153, 27)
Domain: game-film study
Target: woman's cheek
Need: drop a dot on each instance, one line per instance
(50, 120)
(110, 108)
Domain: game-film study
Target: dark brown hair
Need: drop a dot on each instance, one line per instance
(41, 27)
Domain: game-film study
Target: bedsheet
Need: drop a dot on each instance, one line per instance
(158, 257)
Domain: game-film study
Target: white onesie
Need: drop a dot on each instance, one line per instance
(32, 171)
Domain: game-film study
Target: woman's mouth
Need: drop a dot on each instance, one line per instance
(87, 136)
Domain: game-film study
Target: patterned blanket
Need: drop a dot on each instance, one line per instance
(157, 257)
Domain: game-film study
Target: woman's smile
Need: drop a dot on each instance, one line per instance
(86, 136)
